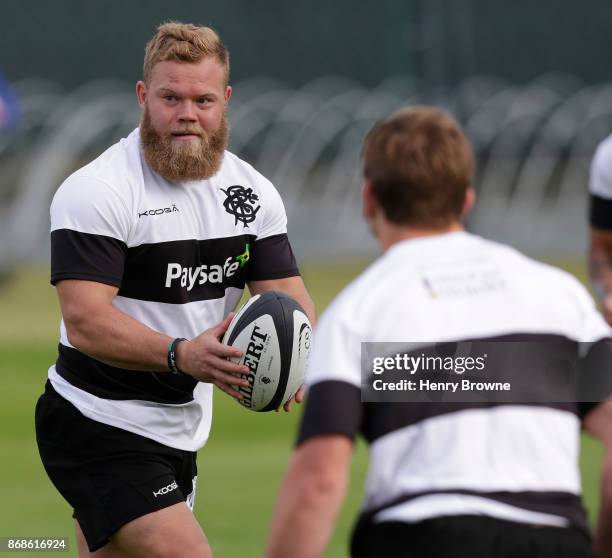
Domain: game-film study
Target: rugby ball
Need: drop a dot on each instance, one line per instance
(274, 335)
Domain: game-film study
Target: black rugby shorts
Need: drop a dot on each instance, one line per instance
(467, 537)
(108, 475)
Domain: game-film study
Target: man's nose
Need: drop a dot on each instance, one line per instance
(187, 111)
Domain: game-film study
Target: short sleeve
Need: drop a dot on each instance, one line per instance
(89, 229)
(274, 218)
(272, 258)
(600, 186)
(592, 325)
(272, 255)
(336, 351)
(332, 408)
(333, 378)
(595, 375)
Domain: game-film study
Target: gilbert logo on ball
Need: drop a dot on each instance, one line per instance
(273, 333)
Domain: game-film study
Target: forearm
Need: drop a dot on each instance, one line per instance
(304, 520)
(109, 335)
(308, 504)
(600, 262)
(603, 533)
(597, 423)
(600, 275)
(307, 304)
(95, 327)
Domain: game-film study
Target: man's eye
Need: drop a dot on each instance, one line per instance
(169, 98)
(203, 101)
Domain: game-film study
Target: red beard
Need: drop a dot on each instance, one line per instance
(183, 161)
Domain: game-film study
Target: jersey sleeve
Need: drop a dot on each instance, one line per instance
(272, 256)
(595, 381)
(600, 187)
(89, 230)
(590, 323)
(595, 364)
(274, 219)
(334, 382)
(336, 351)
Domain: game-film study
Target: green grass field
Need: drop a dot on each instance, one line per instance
(239, 470)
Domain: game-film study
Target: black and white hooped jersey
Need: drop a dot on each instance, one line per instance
(510, 461)
(600, 186)
(180, 255)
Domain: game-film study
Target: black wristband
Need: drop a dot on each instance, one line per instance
(172, 355)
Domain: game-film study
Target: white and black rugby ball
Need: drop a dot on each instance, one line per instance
(274, 335)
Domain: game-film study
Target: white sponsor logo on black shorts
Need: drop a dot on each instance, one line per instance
(172, 486)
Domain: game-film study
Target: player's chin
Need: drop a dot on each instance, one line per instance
(187, 148)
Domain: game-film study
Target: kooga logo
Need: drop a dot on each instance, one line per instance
(172, 486)
(159, 211)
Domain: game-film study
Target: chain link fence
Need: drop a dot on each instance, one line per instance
(533, 144)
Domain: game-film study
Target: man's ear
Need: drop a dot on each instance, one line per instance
(468, 202)
(141, 93)
(369, 203)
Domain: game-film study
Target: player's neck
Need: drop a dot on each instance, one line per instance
(390, 234)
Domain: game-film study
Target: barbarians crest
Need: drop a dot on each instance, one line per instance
(241, 203)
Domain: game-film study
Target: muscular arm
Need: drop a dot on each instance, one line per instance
(598, 423)
(310, 498)
(95, 327)
(600, 268)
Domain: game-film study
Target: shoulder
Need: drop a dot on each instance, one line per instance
(600, 182)
(557, 293)
(101, 195)
(235, 168)
(603, 153)
(395, 286)
(85, 198)
(533, 272)
(355, 298)
(111, 175)
(240, 183)
(243, 178)
(114, 169)
(336, 348)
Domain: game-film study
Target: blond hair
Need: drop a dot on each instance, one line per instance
(420, 165)
(183, 42)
